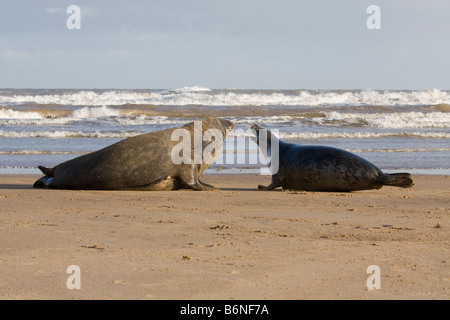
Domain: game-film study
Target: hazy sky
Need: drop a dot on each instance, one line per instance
(243, 44)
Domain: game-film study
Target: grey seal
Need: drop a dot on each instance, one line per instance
(322, 168)
(144, 162)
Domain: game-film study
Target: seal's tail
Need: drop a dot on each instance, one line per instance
(402, 180)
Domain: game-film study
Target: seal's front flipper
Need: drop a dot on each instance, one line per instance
(206, 185)
(199, 186)
(272, 186)
(275, 184)
(190, 179)
(269, 188)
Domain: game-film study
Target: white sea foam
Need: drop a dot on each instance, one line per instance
(344, 135)
(399, 150)
(243, 133)
(13, 114)
(207, 97)
(143, 119)
(363, 135)
(387, 120)
(190, 89)
(90, 113)
(397, 120)
(151, 120)
(255, 150)
(391, 120)
(42, 118)
(251, 120)
(39, 152)
(65, 134)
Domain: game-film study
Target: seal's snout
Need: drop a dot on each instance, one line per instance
(256, 128)
(227, 124)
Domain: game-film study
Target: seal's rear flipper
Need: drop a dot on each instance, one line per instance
(45, 182)
(47, 171)
(402, 180)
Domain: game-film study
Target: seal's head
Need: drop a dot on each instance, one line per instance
(220, 124)
(266, 140)
(228, 125)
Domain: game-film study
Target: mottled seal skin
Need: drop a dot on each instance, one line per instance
(321, 168)
(139, 163)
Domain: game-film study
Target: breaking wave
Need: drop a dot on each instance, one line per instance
(387, 120)
(207, 97)
(390, 120)
(236, 133)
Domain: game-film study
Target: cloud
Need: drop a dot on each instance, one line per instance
(85, 11)
(14, 55)
(88, 11)
(120, 53)
(285, 43)
(53, 10)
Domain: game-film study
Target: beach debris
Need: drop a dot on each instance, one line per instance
(93, 247)
(119, 281)
(220, 227)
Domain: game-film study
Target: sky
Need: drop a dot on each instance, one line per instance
(240, 44)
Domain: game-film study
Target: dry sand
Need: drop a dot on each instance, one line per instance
(237, 243)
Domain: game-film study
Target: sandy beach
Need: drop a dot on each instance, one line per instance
(237, 243)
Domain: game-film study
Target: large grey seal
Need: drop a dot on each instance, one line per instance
(321, 168)
(145, 162)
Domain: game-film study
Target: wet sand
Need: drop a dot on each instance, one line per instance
(237, 243)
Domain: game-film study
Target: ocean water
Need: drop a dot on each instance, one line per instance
(396, 130)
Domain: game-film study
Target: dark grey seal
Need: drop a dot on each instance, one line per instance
(144, 162)
(320, 168)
